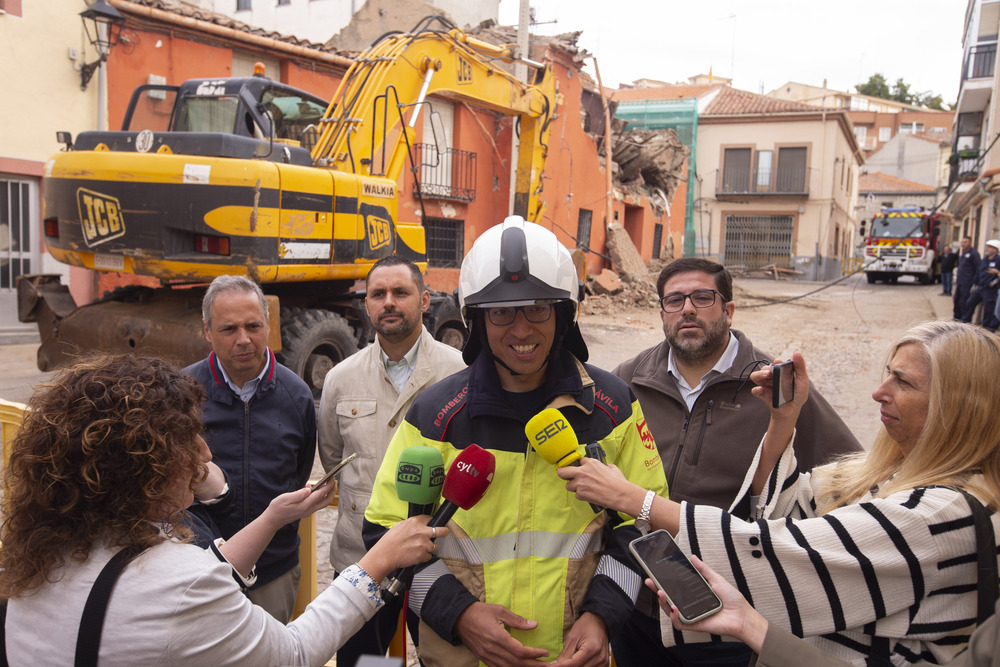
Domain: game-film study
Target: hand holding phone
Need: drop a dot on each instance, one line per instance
(782, 383)
(672, 572)
(337, 468)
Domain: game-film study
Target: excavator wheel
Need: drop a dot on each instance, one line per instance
(312, 342)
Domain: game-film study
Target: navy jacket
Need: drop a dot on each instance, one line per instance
(983, 276)
(968, 267)
(266, 447)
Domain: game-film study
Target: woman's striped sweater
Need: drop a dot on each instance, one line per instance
(901, 567)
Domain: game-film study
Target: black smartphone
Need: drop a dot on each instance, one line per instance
(337, 468)
(675, 575)
(782, 383)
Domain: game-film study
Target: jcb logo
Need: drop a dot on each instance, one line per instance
(379, 232)
(550, 431)
(464, 71)
(100, 216)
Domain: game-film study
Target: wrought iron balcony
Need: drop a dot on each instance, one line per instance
(769, 182)
(448, 174)
(980, 62)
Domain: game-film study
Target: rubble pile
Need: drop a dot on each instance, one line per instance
(649, 161)
(631, 284)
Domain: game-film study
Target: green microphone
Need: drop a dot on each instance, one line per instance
(419, 477)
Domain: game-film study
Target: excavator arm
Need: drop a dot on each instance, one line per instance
(369, 126)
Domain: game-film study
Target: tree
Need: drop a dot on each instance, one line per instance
(877, 86)
(901, 92)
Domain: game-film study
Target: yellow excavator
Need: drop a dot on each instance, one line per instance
(249, 176)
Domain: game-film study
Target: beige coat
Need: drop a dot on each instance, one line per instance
(360, 411)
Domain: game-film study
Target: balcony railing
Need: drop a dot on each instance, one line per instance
(450, 174)
(741, 181)
(980, 62)
(965, 165)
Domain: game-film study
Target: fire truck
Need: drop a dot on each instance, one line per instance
(903, 242)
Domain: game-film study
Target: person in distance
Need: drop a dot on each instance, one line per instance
(874, 554)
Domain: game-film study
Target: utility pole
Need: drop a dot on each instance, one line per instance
(521, 74)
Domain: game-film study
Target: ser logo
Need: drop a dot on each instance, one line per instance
(379, 232)
(550, 431)
(409, 473)
(100, 217)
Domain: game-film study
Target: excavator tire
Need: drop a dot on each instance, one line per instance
(312, 342)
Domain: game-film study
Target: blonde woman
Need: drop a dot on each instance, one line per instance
(874, 555)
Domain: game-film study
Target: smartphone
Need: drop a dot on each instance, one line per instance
(337, 468)
(782, 384)
(674, 574)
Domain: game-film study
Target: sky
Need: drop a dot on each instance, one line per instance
(762, 44)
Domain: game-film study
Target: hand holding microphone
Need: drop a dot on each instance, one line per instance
(465, 484)
(555, 441)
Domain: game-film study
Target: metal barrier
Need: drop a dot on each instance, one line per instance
(852, 264)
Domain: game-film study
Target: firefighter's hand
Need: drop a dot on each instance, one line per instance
(586, 643)
(483, 629)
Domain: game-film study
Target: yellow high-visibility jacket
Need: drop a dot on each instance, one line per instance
(529, 544)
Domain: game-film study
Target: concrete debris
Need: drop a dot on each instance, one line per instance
(649, 161)
(625, 259)
(606, 282)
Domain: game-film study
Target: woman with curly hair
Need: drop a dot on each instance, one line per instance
(872, 556)
(108, 457)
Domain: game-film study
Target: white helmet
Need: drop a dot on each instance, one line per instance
(518, 263)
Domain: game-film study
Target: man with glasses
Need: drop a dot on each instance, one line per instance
(694, 389)
(529, 571)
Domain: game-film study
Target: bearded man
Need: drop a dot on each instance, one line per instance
(694, 390)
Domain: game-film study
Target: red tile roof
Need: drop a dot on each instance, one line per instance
(731, 101)
(660, 92)
(879, 182)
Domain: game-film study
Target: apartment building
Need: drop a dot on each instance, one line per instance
(975, 164)
(875, 120)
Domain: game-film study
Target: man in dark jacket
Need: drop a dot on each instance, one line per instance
(694, 389)
(986, 287)
(948, 259)
(260, 423)
(968, 267)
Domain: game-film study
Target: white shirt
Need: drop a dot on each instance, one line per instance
(246, 392)
(690, 394)
(400, 371)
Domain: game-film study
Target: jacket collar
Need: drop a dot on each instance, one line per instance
(566, 383)
(221, 388)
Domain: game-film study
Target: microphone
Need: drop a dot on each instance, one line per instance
(419, 476)
(468, 478)
(555, 441)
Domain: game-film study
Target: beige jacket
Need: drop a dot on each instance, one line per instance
(359, 411)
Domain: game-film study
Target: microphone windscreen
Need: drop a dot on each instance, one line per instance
(469, 476)
(419, 475)
(553, 438)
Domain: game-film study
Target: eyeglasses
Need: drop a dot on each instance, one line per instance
(702, 298)
(535, 313)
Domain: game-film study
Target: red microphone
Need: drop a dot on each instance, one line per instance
(465, 484)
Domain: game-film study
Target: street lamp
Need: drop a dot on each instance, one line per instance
(103, 25)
